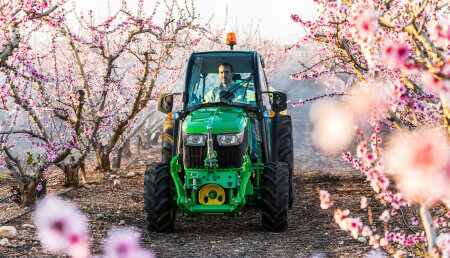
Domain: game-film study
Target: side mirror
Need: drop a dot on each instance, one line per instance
(279, 100)
(165, 102)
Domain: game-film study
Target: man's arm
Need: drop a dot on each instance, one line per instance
(211, 96)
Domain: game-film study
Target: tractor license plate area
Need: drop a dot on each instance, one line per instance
(224, 178)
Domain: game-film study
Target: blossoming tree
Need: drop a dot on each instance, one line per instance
(27, 116)
(392, 59)
(121, 60)
(82, 90)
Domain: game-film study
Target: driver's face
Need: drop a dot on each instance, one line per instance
(226, 75)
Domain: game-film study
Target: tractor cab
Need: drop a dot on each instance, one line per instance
(227, 147)
(204, 79)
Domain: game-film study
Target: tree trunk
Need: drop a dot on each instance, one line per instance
(71, 173)
(28, 193)
(103, 163)
(155, 137)
(138, 145)
(126, 151)
(71, 176)
(146, 141)
(83, 172)
(117, 160)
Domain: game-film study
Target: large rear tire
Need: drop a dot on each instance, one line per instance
(167, 140)
(275, 196)
(286, 150)
(157, 199)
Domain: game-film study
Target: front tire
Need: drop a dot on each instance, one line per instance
(275, 196)
(157, 199)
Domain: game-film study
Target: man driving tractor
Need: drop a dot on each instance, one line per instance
(228, 146)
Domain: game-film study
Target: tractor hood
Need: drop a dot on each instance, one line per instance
(222, 120)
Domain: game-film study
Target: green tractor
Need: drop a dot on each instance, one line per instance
(222, 152)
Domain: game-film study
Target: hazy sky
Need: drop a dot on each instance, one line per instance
(273, 16)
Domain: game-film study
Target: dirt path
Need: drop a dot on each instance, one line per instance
(311, 229)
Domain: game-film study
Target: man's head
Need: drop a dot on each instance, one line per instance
(226, 74)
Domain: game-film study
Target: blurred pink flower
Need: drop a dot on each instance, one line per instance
(61, 227)
(373, 241)
(420, 162)
(440, 32)
(443, 242)
(366, 231)
(383, 242)
(399, 254)
(434, 84)
(361, 150)
(333, 126)
(364, 203)
(385, 216)
(366, 25)
(396, 55)
(124, 243)
(338, 216)
(354, 225)
(325, 202)
(368, 99)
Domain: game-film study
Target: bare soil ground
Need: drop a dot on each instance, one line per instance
(311, 231)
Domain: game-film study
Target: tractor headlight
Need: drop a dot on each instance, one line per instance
(194, 139)
(230, 139)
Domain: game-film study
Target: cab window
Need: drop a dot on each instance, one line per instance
(205, 84)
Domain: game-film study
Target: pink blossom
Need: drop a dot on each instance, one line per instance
(61, 227)
(354, 225)
(443, 242)
(373, 241)
(361, 150)
(421, 164)
(440, 31)
(383, 242)
(433, 84)
(366, 24)
(390, 236)
(338, 216)
(124, 243)
(364, 202)
(396, 55)
(385, 216)
(367, 97)
(366, 231)
(325, 202)
(399, 254)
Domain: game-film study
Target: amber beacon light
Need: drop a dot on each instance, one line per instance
(231, 39)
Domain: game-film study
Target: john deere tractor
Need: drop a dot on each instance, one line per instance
(220, 155)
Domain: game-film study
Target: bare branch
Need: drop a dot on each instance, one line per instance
(31, 113)
(30, 133)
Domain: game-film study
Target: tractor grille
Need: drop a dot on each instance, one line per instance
(228, 157)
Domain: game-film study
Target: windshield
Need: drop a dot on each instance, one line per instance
(205, 85)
